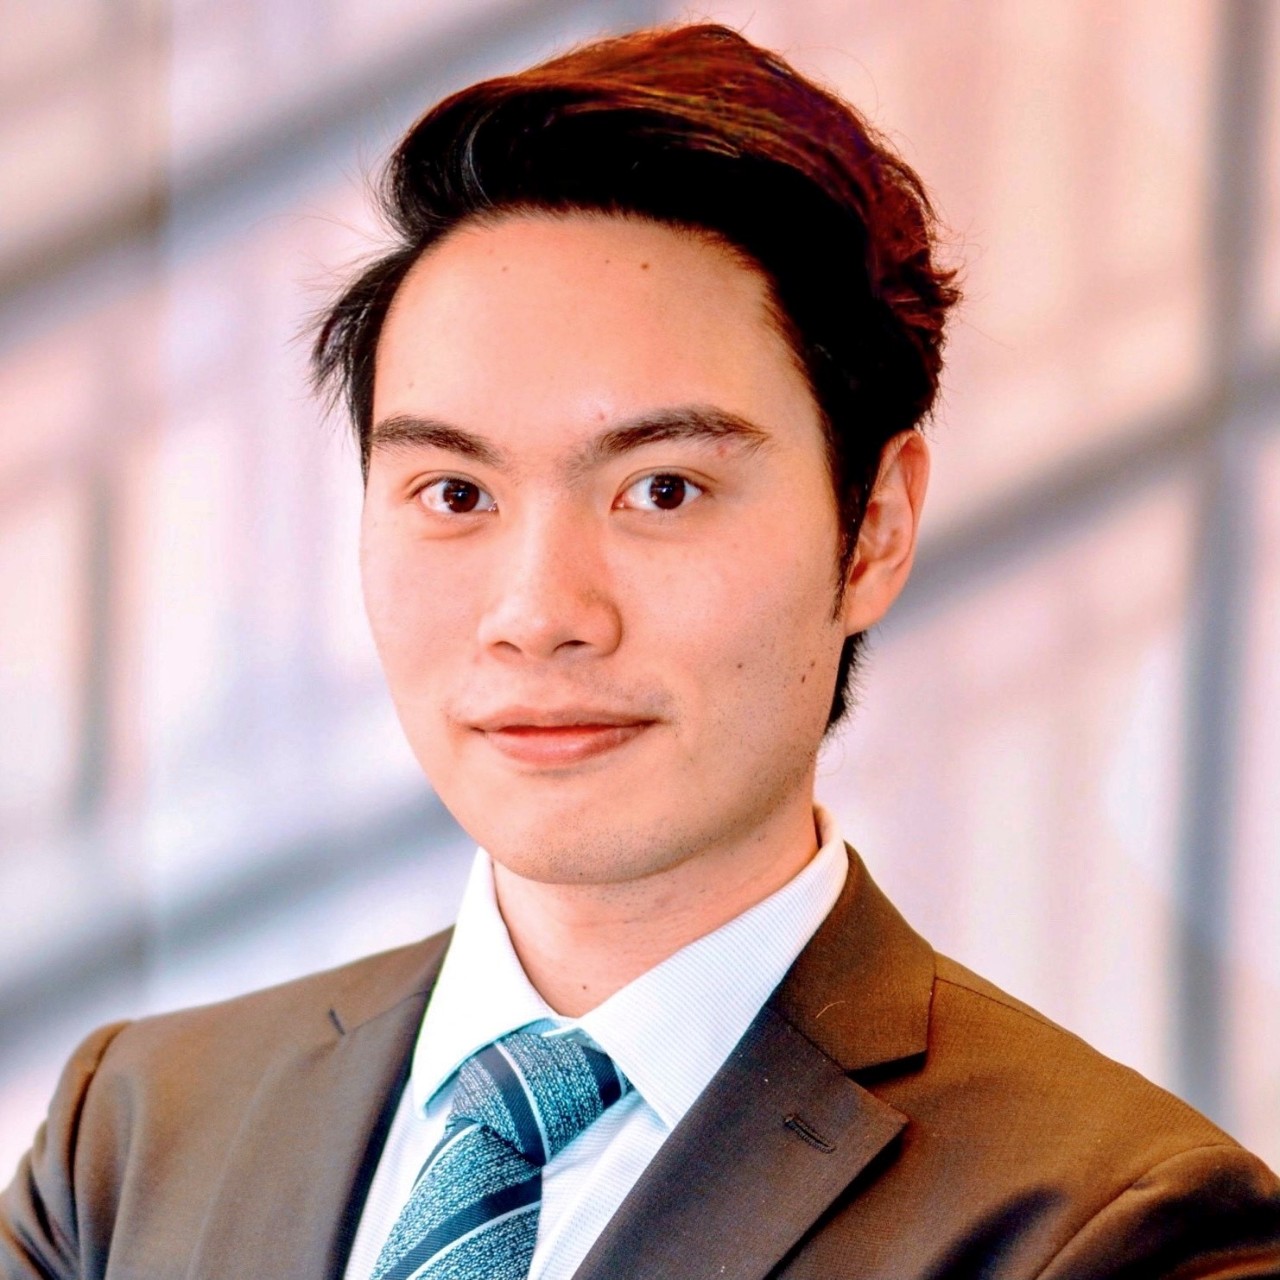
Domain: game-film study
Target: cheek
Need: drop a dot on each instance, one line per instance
(760, 637)
(411, 610)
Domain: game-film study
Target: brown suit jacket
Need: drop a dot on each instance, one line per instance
(888, 1115)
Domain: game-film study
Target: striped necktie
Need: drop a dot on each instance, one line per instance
(473, 1212)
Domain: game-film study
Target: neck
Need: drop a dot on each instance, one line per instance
(579, 943)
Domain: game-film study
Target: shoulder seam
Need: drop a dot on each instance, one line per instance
(1014, 1007)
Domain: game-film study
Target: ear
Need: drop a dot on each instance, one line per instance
(887, 539)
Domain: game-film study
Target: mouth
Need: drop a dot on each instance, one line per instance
(555, 740)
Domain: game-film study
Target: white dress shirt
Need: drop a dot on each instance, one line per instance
(669, 1030)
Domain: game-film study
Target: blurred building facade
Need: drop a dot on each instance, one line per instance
(1065, 766)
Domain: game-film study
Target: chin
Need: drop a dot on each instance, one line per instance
(564, 850)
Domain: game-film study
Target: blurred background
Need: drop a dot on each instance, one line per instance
(1066, 763)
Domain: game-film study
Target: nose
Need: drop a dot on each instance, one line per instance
(551, 594)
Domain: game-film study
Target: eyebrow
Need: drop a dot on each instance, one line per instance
(697, 423)
(407, 431)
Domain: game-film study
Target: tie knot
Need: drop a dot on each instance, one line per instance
(536, 1092)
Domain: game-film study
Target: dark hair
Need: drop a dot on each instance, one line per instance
(696, 127)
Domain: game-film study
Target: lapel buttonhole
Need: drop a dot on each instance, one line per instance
(802, 1129)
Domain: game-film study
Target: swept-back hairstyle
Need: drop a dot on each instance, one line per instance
(695, 127)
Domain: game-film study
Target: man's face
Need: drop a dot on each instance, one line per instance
(599, 545)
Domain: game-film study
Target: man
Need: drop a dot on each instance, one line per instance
(637, 396)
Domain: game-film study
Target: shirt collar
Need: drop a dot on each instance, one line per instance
(711, 989)
(482, 992)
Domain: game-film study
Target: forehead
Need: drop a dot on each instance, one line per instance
(552, 325)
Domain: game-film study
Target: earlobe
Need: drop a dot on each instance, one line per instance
(886, 545)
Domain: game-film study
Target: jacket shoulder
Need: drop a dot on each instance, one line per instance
(164, 1099)
(1030, 1153)
(330, 999)
(1038, 1077)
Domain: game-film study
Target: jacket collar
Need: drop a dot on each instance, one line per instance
(372, 988)
(861, 990)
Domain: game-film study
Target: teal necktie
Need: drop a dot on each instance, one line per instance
(473, 1211)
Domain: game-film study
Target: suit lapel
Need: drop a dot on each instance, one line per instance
(294, 1182)
(785, 1127)
(863, 987)
(778, 1134)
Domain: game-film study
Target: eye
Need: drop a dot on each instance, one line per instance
(661, 491)
(454, 496)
